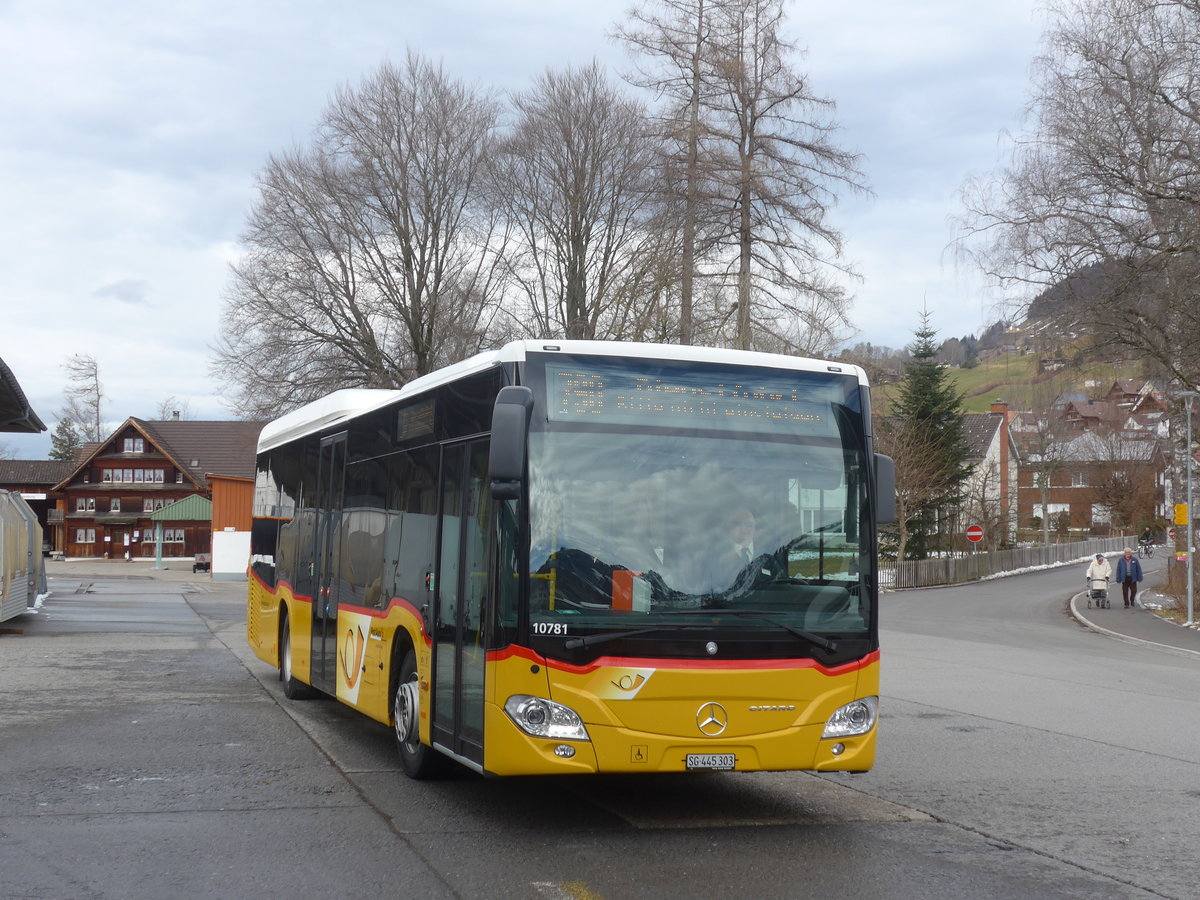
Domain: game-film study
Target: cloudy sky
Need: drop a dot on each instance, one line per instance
(132, 132)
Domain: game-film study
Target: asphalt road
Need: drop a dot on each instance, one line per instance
(145, 753)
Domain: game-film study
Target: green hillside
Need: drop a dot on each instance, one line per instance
(1013, 377)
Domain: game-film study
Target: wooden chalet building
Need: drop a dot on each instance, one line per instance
(1093, 415)
(112, 492)
(1137, 397)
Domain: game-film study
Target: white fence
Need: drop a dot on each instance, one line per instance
(973, 566)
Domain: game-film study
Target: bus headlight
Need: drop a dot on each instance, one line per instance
(853, 718)
(545, 718)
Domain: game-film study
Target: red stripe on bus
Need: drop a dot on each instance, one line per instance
(702, 664)
(363, 610)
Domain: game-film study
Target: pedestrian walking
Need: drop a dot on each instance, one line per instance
(1129, 573)
(1099, 573)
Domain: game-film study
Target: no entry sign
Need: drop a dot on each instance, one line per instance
(975, 534)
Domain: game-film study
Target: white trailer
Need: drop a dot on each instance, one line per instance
(21, 571)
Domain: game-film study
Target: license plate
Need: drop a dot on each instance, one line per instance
(710, 761)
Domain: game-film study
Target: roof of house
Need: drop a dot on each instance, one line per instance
(1144, 421)
(980, 430)
(48, 472)
(1092, 447)
(208, 447)
(1063, 400)
(190, 509)
(1100, 410)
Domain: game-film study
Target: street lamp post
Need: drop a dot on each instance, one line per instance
(1188, 397)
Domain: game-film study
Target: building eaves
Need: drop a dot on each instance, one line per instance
(15, 413)
(89, 452)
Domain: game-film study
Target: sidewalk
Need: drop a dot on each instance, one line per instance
(173, 569)
(1137, 625)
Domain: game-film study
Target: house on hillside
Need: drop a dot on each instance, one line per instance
(1048, 364)
(1137, 396)
(111, 493)
(1091, 415)
(1060, 403)
(1149, 424)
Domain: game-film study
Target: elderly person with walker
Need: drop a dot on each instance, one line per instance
(1129, 573)
(1099, 573)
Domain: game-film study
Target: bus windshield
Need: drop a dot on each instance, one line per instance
(729, 523)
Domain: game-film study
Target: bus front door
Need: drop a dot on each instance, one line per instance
(331, 481)
(461, 587)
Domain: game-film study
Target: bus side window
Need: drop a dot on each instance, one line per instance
(413, 532)
(364, 523)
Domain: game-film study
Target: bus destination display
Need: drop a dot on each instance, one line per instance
(747, 401)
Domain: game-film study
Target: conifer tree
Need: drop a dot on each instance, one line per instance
(929, 407)
(65, 440)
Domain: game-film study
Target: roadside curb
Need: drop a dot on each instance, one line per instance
(1079, 617)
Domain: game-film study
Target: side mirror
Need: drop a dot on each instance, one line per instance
(510, 435)
(885, 490)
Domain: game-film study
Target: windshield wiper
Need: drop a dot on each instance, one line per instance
(823, 643)
(589, 640)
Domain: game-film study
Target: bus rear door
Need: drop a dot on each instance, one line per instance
(331, 482)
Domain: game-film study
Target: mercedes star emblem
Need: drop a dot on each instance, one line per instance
(712, 719)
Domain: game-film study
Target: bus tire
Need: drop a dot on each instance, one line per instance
(293, 688)
(418, 760)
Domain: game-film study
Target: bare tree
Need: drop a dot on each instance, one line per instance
(922, 478)
(575, 180)
(982, 505)
(674, 42)
(370, 257)
(418, 143)
(1124, 479)
(778, 172)
(173, 408)
(1044, 456)
(1102, 192)
(84, 396)
(751, 160)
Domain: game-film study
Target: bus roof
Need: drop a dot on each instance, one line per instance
(348, 404)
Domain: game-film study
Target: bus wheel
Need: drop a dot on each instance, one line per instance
(418, 760)
(293, 688)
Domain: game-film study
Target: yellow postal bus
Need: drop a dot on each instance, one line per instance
(572, 556)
